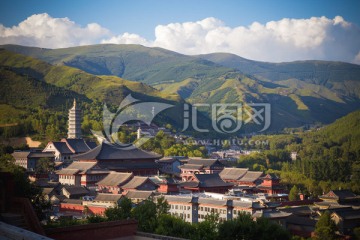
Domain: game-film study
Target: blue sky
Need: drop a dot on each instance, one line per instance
(142, 16)
(287, 30)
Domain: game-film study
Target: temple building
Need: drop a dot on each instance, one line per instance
(74, 130)
(112, 157)
(197, 166)
(74, 144)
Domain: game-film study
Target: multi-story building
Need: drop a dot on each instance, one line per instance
(242, 176)
(81, 174)
(29, 159)
(195, 208)
(206, 183)
(200, 166)
(113, 181)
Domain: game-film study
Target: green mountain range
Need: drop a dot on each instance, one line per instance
(299, 92)
(28, 83)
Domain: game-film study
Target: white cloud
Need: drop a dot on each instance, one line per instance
(42, 30)
(127, 38)
(275, 41)
(283, 40)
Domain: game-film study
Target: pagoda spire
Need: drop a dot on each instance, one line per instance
(74, 130)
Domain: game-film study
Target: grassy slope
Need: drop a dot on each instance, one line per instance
(300, 92)
(30, 82)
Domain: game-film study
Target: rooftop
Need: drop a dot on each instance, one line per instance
(78, 145)
(139, 194)
(107, 151)
(136, 182)
(108, 197)
(115, 179)
(233, 173)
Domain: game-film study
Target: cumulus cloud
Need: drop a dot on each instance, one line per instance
(42, 30)
(284, 40)
(127, 38)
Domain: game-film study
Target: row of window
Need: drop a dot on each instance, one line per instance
(66, 177)
(180, 207)
(215, 210)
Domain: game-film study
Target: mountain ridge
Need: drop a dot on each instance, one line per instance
(297, 98)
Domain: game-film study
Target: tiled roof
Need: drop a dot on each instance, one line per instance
(62, 147)
(183, 199)
(29, 154)
(76, 190)
(167, 160)
(242, 204)
(139, 194)
(233, 173)
(348, 213)
(67, 171)
(20, 154)
(191, 166)
(341, 194)
(210, 180)
(136, 182)
(127, 165)
(303, 221)
(41, 155)
(82, 166)
(107, 197)
(72, 201)
(251, 176)
(212, 201)
(271, 214)
(115, 179)
(204, 162)
(270, 176)
(106, 151)
(78, 145)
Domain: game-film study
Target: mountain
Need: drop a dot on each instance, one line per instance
(342, 78)
(28, 83)
(299, 92)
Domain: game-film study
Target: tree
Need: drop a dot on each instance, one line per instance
(122, 211)
(241, 227)
(325, 228)
(162, 206)
(294, 193)
(45, 165)
(173, 226)
(207, 229)
(146, 213)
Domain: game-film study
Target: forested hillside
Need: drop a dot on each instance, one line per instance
(300, 93)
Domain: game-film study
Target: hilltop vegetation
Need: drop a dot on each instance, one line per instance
(327, 158)
(300, 93)
(35, 96)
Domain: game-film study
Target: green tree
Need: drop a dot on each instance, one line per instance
(294, 193)
(162, 206)
(122, 211)
(146, 214)
(173, 226)
(325, 228)
(241, 227)
(45, 165)
(207, 229)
